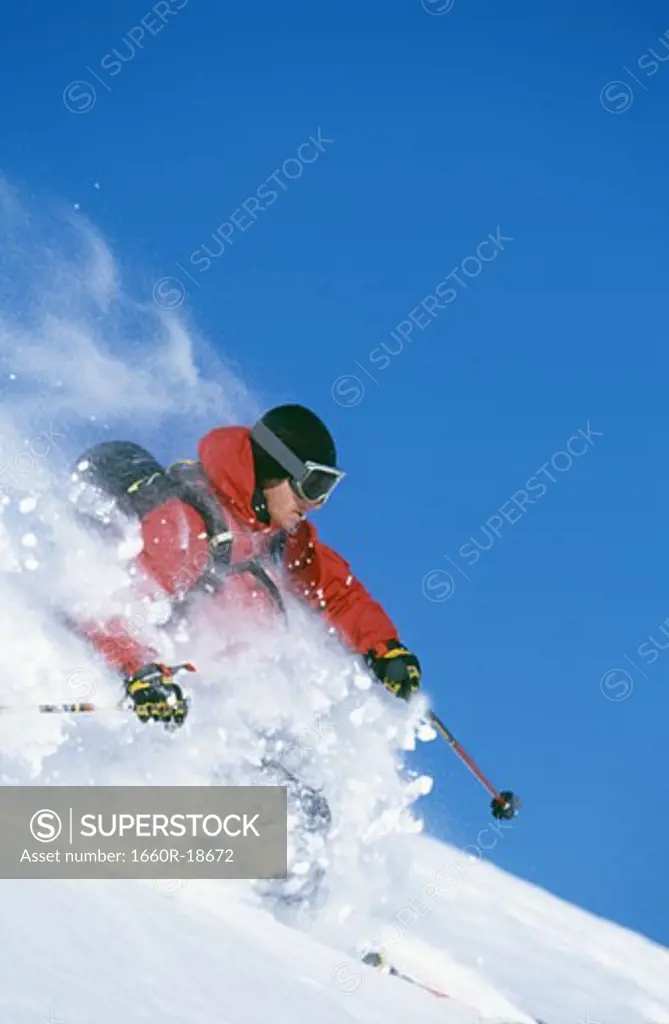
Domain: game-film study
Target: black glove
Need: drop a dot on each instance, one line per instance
(156, 696)
(398, 669)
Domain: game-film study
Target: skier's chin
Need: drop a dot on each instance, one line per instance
(294, 521)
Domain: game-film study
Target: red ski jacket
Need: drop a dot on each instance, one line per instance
(176, 552)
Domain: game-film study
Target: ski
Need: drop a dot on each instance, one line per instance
(419, 984)
(378, 961)
(374, 959)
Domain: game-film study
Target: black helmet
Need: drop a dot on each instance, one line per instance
(291, 443)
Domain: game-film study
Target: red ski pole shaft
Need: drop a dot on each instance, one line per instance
(62, 709)
(463, 755)
(84, 707)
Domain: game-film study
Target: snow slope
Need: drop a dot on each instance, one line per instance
(103, 952)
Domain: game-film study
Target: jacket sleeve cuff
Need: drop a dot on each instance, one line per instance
(381, 649)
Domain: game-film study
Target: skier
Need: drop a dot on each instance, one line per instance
(232, 524)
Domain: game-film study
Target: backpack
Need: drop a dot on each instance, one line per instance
(137, 483)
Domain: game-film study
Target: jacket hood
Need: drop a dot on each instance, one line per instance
(226, 457)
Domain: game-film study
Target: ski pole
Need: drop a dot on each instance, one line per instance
(503, 805)
(61, 709)
(85, 707)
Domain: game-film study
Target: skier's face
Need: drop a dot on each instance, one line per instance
(286, 510)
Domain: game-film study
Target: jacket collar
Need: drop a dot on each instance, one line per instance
(227, 460)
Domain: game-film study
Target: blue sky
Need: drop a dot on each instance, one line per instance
(506, 453)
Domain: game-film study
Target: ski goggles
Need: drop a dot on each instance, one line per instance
(312, 482)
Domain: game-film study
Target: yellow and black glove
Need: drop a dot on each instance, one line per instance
(156, 696)
(397, 668)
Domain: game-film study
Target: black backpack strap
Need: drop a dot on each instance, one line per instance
(263, 577)
(192, 486)
(277, 546)
(197, 492)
